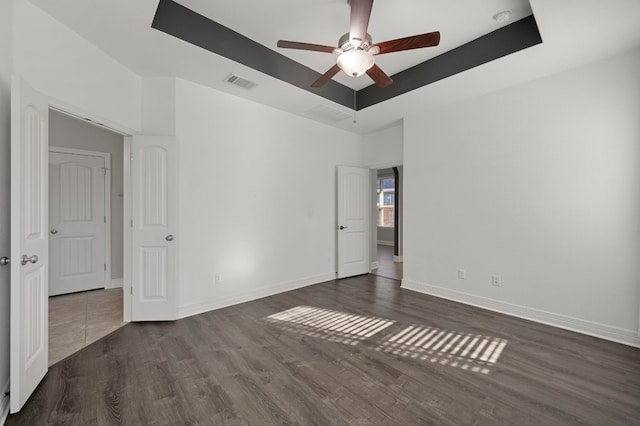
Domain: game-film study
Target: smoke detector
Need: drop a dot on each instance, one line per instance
(502, 16)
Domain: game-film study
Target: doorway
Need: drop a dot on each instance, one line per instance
(388, 223)
(86, 233)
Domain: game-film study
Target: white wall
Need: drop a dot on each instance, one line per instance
(540, 184)
(256, 198)
(384, 148)
(68, 132)
(6, 59)
(385, 235)
(56, 61)
(159, 106)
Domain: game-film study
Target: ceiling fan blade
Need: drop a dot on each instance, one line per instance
(406, 43)
(326, 76)
(379, 76)
(305, 46)
(360, 14)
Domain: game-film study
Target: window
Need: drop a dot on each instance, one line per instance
(386, 188)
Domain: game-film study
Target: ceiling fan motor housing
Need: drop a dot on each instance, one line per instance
(356, 50)
(346, 43)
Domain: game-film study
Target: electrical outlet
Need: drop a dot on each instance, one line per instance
(218, 278)
(462, 274)
(496, 280)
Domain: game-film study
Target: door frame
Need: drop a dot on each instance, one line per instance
(127, 133)
(107, 201)
(374, 212)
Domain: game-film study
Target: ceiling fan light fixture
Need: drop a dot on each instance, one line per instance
(355, 62)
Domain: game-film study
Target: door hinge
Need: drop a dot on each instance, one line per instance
(105, 219)
(131, 157)
(131, 289)
(132, 223)
(105, 266)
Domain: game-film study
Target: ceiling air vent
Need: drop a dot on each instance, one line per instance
(239, 81)
(327, 113)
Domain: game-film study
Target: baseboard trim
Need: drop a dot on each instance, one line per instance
(117, 283)
(4, 403)
(397, 258)
(385, 243)
(603, 331)
(374, 265)
(211, 305)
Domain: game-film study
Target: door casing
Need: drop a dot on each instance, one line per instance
(126, 132)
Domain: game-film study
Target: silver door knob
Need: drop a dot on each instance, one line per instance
(4, 260)
(26, 259)
(169, 237)
(54, 231)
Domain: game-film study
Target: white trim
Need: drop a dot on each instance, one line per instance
(389, 165)
(107, 214)
(76, 151)
(397, 258)
(106, 156)
(385, 243)
(126, 225)
(4, 403)
(270, 290)
(375, 265)
(88, 117)
(603, 331)
(116, 283)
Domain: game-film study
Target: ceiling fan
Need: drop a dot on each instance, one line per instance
(355, 49)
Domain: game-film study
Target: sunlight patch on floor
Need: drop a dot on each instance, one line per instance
(330, 325)
(467, 351)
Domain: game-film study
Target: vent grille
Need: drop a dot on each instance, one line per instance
(239, 81)
(327, 113)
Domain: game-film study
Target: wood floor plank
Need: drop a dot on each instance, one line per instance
(363, 351)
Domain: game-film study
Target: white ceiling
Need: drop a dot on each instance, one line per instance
(574, 32)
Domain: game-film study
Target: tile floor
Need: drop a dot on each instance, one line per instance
(79, 319)
(386, 266)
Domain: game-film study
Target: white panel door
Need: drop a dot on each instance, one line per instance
(76, 223)
(353, 221)
(29, 246)
(154, 239)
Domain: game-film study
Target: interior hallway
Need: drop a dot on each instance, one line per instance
(79, 319)
(386, 266)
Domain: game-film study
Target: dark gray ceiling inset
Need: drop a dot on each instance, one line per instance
(509, 39)
(185, 24)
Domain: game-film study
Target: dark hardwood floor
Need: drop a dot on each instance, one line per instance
(386, 266)
(355, 351)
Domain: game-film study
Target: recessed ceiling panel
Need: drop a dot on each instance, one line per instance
(192, 27)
